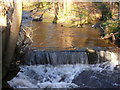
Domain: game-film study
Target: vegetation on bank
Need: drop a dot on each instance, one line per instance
(111, 22)
(67, 13)
(112, 31)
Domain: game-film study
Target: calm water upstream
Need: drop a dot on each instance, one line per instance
(49, 36)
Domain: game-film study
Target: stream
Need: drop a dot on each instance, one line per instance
(62, 57)
(48, 36)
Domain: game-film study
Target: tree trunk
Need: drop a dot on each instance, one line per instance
(56, 8)
(64, 6)
(67, 6)
(119, 11)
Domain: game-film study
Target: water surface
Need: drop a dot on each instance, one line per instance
(48, 36)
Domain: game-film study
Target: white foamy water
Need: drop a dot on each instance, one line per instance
(47, 76)
(112, 58)
(59, 76)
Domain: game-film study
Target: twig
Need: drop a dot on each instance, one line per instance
(112, 35)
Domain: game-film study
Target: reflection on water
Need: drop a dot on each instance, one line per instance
(49, 36)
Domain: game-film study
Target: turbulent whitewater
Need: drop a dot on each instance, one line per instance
(59, 76)
(47, 76)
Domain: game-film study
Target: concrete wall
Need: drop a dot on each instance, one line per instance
(0, 58)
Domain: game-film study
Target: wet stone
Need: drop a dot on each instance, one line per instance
(92, 79)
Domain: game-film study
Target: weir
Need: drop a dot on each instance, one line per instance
(68, 69)
(62, 57)
(87, 56)
(61, 47)
(58, 55)
(56, 45)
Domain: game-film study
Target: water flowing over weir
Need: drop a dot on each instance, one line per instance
(64, 69)
(70, 75)
(68, 58)
(56, 58)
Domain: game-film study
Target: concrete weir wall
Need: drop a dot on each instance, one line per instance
(86, 56)
(0, 58)
(10, 31)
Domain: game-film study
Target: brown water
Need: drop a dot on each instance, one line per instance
(50, 36)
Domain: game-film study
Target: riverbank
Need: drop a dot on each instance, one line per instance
(68, 15)
(112, 31)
